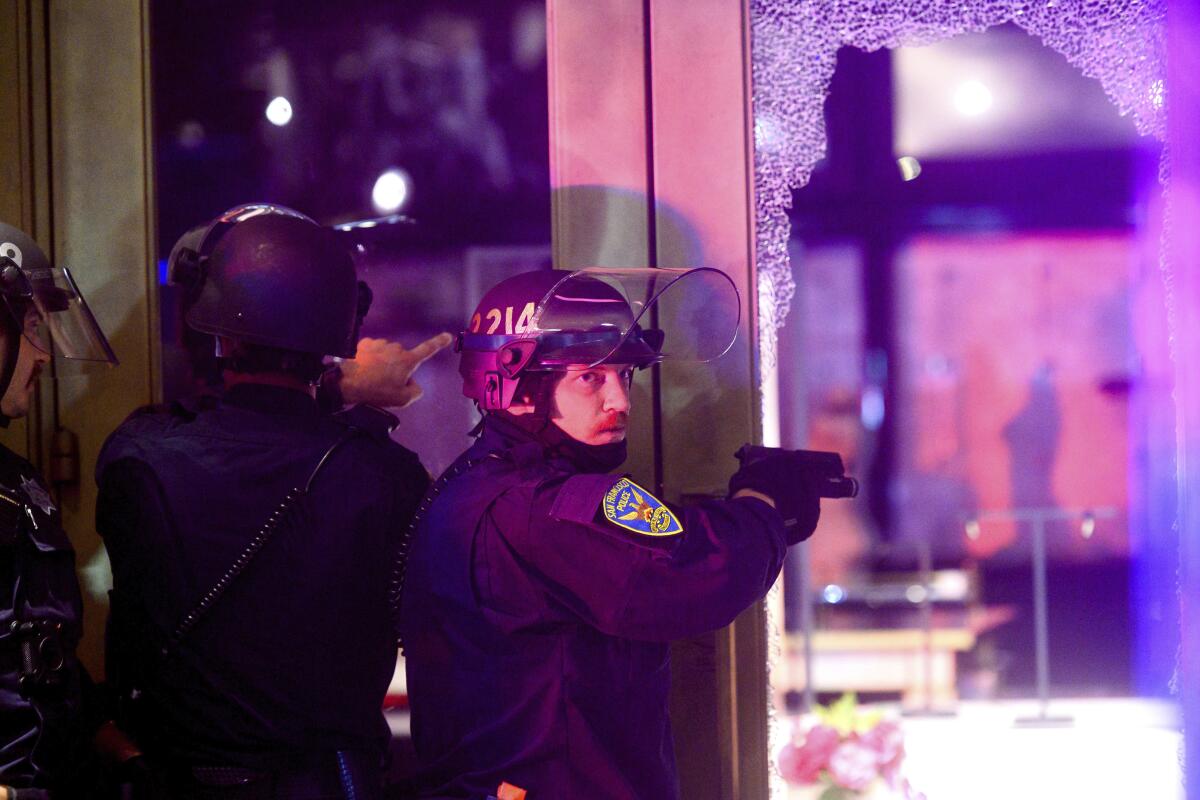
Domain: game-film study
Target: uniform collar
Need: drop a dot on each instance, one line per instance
(501, 433)
(274, 400)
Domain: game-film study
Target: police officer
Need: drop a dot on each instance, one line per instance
(250, 535)
(540, 592)
(48, 711)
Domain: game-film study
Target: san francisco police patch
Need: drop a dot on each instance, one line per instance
(631, 507)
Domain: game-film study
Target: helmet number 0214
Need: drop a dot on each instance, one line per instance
(494, 317)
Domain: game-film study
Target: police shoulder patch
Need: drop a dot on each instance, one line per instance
(631, 507)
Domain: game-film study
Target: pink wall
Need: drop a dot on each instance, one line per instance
(1013, 351)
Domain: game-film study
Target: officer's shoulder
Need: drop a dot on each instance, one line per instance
(163, 415)
(371, 430)
(145, 427)
(526, 478)
(568, 495)
(149, 422)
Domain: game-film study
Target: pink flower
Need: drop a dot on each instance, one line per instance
(853, 765)
(886, 740)
(803, 763)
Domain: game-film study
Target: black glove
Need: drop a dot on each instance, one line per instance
(781, 477)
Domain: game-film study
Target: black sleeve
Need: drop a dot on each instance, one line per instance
(144, 551)
(637, 586)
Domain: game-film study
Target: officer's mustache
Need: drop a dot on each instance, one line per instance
(616, 422)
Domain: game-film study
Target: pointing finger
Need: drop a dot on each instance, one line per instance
(427, 348)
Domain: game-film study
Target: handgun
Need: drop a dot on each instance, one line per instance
(825, 469)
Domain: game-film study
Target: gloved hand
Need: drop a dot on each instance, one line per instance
(782, 478)
(381, 374)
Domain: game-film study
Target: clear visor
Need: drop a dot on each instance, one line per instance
(66, 319)
(685, 314)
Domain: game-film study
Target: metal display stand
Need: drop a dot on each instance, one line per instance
(925, 566)
(807, 619)
(1037, 517)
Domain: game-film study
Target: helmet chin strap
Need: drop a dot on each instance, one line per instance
(539, 392)
(536, 389)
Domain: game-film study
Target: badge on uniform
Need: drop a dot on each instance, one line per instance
(37, 495)
(633, 508)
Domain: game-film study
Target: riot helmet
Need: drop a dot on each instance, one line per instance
(547, 320)
(267, 275)
(28, 281)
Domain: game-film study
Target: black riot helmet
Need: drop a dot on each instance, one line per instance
(267, 275)
(28, 281)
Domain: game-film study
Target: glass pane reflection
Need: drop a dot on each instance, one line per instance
(348, 111)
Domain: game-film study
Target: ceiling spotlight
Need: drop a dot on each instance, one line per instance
(391, 191)
(279, 111)
(972, 98)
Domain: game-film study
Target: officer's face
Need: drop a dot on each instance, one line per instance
(30, 360)
(591, 404)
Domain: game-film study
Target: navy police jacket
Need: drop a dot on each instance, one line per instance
(42, 729)
(294, 660)
(537, 610)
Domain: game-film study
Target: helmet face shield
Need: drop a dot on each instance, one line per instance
(239, 214)
(636, 316)
(65, 316)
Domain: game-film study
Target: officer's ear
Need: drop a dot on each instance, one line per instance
(188, 269)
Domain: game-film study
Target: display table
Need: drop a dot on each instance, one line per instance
(878, 661)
